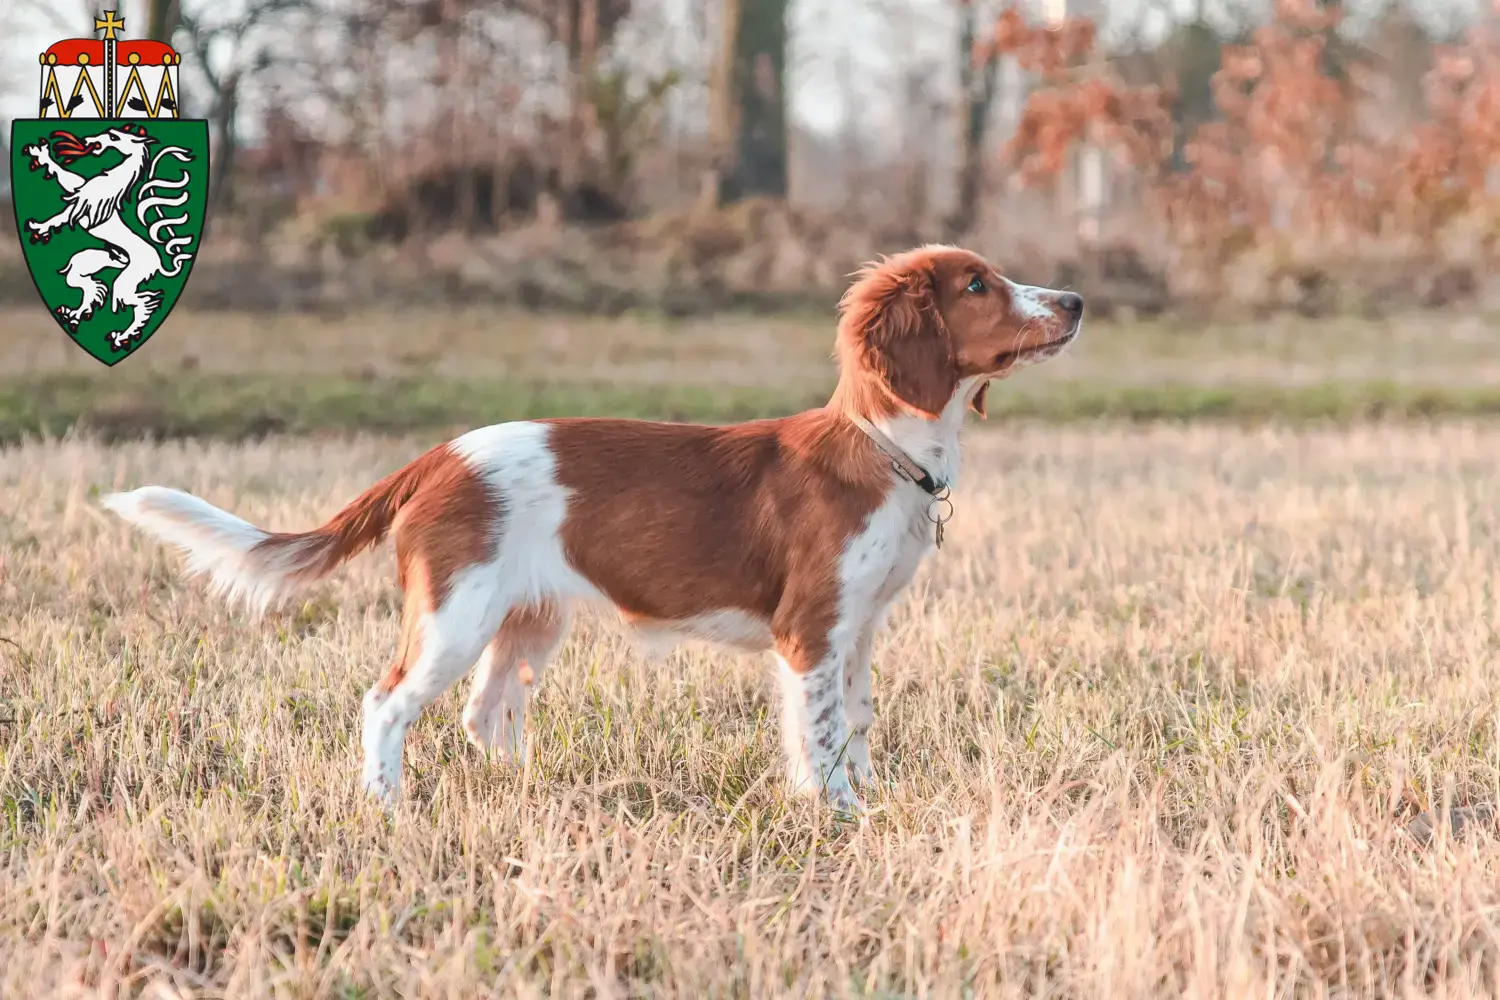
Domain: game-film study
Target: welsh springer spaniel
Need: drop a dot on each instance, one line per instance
(792, 535)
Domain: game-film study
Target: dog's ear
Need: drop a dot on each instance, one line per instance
(977, 403)
(892, 321)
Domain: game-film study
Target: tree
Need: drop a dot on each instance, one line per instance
(1077, 100)
(226, 48)
(977, 66)
(584, 29)
(626, 118)
(1299, 159)
(750, 101)
(1193, 51)
(161, 19)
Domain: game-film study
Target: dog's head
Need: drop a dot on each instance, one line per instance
(925, 322)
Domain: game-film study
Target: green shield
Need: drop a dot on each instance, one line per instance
(110, 215)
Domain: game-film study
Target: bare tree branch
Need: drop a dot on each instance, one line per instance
(207, 34)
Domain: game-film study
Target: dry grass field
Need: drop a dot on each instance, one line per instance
(1154, 723)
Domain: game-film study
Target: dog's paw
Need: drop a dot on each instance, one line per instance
(382, 794)
(866, 780)
(844, 800)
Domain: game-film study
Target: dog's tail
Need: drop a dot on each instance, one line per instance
(261, 567)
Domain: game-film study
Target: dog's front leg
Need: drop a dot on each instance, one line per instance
(859, 707)
(813, 725)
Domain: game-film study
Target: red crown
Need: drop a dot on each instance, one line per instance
(90, 52)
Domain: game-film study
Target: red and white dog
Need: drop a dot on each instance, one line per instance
(792, 535)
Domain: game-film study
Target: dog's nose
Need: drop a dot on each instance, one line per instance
(1071, 303)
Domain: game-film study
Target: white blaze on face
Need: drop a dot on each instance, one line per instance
(1031, 301)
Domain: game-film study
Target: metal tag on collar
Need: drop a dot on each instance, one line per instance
(939, 501)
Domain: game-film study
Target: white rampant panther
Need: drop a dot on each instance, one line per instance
(93, 204)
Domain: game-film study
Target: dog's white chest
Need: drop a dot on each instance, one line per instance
(881, 560)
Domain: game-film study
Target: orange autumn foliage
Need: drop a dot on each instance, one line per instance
(1290, 151)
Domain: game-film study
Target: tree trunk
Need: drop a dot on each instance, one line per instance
(977, 84)
(578, 27)
(225, 144)
(721, 116)
(161, 19)
(753, 100)
(1197, 57)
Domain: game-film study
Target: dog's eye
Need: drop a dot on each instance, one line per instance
(976, 285)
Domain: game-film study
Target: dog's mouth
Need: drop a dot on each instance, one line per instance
(1006, 359)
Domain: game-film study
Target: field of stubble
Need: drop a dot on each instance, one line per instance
(1154, 723)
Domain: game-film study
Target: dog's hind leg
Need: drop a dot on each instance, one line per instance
(513, 662)
(437, 647)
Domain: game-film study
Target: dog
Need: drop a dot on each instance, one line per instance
(792, 535)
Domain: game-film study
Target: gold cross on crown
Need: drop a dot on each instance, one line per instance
(109, 24)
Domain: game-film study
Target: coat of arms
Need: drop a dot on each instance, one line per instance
(110, 188)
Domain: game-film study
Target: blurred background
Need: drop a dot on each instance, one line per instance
(429, 212)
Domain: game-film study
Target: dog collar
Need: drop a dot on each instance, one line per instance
(909, 469)
(900, 460)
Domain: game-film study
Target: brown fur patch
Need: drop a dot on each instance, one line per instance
(452, 523)
(526, 630)
(410, 647)
(891, 328)
(366, 520)
(672, 521)
(445, 518)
